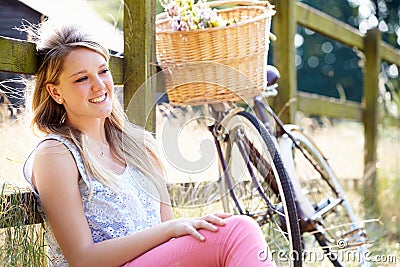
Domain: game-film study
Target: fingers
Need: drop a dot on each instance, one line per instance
(191, 226)
(217, 219)
(208, 223)
(202, 224)
(223, 215)
(191, 230)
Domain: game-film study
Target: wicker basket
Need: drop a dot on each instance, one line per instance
(216, 64)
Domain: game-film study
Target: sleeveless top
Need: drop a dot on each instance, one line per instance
(133, 208)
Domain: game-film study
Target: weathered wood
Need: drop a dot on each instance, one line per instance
(284, 26)
(139, 61)
(19, 56)
(19, 209)
(324, 24)
(370, 104)
(313, 104)
(390, 54)
(117, 69)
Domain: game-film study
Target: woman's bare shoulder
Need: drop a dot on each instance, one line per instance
(51, 146)
(53, 154)
(53, 167)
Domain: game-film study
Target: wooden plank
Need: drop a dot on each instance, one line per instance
(17, 56)
(284, 26)
(117, 69)
(139, 61)
(371, 119)
(19, 209)
(390, 54)
(313, 104)
(324, 24)
(371, 85)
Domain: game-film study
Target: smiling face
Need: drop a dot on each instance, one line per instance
(85, 86)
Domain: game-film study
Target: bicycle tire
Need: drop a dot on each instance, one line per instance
(337, 230)
(255, 190)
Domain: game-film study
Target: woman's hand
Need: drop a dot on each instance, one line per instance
(190, 226)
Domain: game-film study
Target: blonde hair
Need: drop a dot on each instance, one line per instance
(130, 143)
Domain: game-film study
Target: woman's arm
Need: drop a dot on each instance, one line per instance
(56, 179)
(166, 212)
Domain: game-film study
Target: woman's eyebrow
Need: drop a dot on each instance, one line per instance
(77, 73)
(84, 71)
(103, 65)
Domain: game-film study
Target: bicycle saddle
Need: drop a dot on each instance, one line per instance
(273, 75)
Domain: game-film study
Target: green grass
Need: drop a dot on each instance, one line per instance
(20, 243)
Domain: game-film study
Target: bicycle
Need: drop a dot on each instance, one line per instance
(252, 174)
(323, 208)
(254, 184)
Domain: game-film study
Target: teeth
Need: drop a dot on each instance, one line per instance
(98, 99)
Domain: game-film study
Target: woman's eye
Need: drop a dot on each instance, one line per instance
(84, 78)
(104, 71)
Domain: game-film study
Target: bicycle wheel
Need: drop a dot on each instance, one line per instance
(337, 230)
(259, 186)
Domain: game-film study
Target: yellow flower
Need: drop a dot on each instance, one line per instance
(186, 15)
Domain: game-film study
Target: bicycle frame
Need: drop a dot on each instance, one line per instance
(244, 146)
(282, 134)
(307, 214)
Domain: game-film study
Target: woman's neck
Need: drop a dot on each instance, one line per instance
(94, 128)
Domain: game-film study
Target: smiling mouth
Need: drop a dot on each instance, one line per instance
(98, 99)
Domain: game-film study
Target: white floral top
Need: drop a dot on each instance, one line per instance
(134, 208)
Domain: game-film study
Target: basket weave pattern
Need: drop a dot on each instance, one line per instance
(242, 46)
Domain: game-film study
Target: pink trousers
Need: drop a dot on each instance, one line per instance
(237, 243)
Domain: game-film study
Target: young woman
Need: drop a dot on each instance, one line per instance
(98, 178)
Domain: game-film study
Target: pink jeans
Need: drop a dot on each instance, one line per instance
(237, 243)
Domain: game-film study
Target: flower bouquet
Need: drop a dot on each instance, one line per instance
(202, 42)
(192, 15)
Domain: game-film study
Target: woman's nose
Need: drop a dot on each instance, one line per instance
(98, 83)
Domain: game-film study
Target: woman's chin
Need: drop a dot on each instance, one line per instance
(105, 112)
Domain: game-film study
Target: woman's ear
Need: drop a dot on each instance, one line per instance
(54, 93)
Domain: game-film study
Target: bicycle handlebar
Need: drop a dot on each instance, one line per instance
(272, 75)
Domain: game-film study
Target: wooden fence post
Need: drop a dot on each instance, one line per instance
(139, 60)
(284, 27)
(370, 119)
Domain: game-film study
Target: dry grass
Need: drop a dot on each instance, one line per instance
(20, 243)
(342, 142)
(16, 142)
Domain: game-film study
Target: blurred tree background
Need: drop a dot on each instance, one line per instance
(325, 66)
(330, 68)
(110, 10)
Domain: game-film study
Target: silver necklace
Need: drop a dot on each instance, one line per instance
(101, 150)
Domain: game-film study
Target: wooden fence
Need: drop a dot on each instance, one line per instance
(139, 57)
(292, 13)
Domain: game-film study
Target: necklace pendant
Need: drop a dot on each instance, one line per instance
(101, 153)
